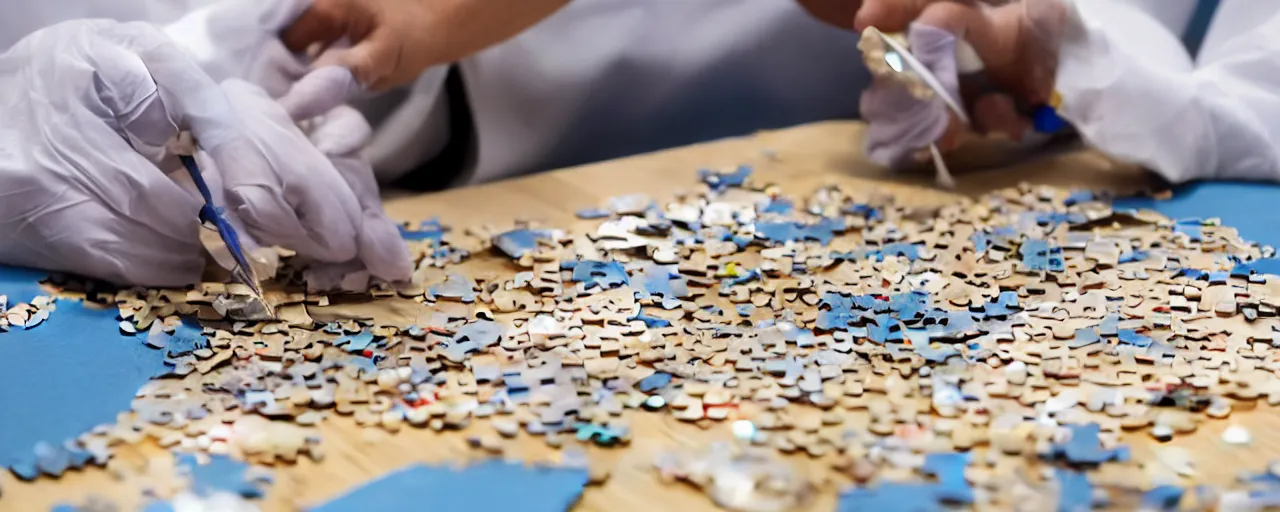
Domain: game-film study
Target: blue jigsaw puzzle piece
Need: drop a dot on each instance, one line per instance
(1191, 273)
(909, 306)
(187, 337)
(782, 232)
(895, 250)
(1132, 337)
(1003, 236)
(841, 312)
(721, 181)
(745, 310)
(1132, 256)
(1110, 325)
(652, 322)
(519, 242)
(1165, 498)
(835, 312)
(1039, 256)
(884, 329)
(223, 474)
(1055, 218)
(362, 364)
(980, 242)
(428, 231)
(599, 434)
(865, 211)
(1084, 337)
(923, 346)
(949, 324)
(470, 489)
(86, 342)
(1075, 493)
(355, 343)
(948, 468)
(605, 274)
(900, 250)
(1079, 197)
(1191, 228)
(662, 281)
(1003, 306)
(751, 275)
(779, 206)
(654, 382)
(1084, 448)
(158, 506)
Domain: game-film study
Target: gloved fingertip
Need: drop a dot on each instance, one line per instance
(383, 251)
(320, 91)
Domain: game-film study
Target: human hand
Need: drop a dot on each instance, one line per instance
(84, 184)
(396, 40)
(1017, 43)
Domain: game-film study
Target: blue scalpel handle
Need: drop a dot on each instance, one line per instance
(212, 214)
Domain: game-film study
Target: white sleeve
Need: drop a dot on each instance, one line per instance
(1128, 94)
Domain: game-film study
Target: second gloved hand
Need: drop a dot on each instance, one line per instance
(1017, 43)
(85, 180)
(326, 156)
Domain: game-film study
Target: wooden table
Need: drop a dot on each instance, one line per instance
(799, 159)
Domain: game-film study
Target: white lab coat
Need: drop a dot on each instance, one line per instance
(1132, 96)
(606, 78)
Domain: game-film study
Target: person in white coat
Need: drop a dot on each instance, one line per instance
(85, 181)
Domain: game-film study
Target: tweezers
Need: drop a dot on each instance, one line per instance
(211, 215)
(901, 60)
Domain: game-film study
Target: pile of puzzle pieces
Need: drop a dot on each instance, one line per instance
(987, 353)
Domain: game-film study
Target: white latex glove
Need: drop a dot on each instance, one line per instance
(1016, 43)
(88, 109)
(240, 39)
(327, 159)
(900, 125)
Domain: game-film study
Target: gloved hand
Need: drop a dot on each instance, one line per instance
(396, 40)
(241, 39)
(1017, 43)
(327, 160)
(85, 182)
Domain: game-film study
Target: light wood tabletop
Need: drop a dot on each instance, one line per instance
(799, 160)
